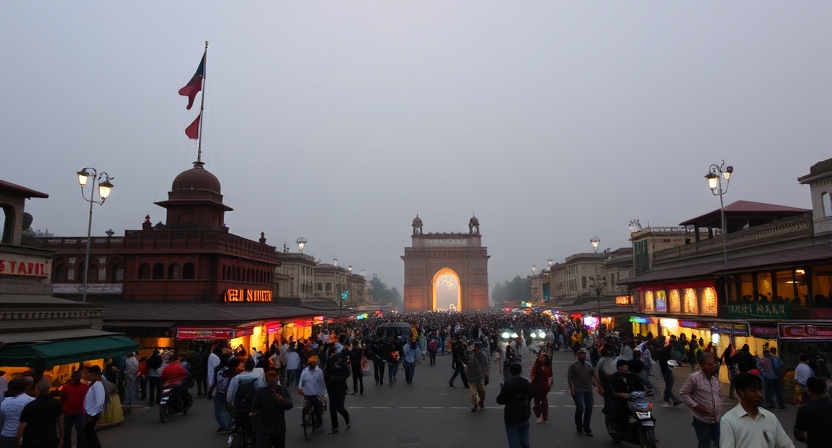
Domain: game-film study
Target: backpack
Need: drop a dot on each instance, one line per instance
(244, 396)
(222, 380)
(779, 368)
(433, 345)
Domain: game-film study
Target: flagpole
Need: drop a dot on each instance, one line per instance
(202, 105)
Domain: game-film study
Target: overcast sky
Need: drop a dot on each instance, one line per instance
(338, 121)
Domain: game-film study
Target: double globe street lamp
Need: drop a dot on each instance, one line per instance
(104, 188)
(598, 284)
(715, 175)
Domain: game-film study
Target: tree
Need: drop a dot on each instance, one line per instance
(516, 290)
(384, 295)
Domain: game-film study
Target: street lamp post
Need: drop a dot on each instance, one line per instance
(715, 175)
(598, 284)
(301, 244)
(104, 188)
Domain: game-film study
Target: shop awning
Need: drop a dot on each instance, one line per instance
(50, 354)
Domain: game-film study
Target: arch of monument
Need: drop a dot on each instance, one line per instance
(433, 255)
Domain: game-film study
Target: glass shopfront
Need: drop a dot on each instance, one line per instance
(690, 298)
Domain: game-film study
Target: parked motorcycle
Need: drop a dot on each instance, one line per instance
(174, 401)
(641, 424)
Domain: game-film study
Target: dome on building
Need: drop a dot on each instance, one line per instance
(417, 221)
(474, 221)
(196, 178)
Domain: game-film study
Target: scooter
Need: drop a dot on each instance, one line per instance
(173, 402)
(641, 424)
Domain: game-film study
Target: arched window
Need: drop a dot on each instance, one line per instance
(61, 273)
(92, 273)
(144, 271)
(188, 271)
(158, 271)
(117, 273)
(173, 272)
(826, 200)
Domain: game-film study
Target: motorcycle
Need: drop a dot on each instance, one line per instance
(640, 424)
(175, 399)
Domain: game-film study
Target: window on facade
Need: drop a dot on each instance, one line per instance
(117, 274)
(764, 287)
(174, 272)
(92, 273)
(6, 224)
(158, 271)
(746, 288)
(144, 271)
(709, 306)
(786, 286)
(61, 273)
(661, 300)
(328, 287)
(674, 301)
(188, 271)
(319, 287)
(648, 301)
(822, 286)
(583, 282)
(690, 303)
(826, 200)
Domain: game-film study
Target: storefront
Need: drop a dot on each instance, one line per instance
(814, 338)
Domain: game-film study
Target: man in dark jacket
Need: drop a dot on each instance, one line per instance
(516, 394)
(377, 349)
(336, 375)
(268, 409)
(458, 363)
(356, 354)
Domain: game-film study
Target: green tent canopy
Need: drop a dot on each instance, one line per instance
(50, 354)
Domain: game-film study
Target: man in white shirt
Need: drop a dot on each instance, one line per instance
(211, 368)
(802, 373)
(131, 371)
(93, 406)
(10, 410)
(749, 425)
(311, 384)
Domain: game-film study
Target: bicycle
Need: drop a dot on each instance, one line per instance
(311, 419)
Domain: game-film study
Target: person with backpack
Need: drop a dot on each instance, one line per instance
(242, 387)
(770, 365)
(336, 376)
(433, 347)
(226, 370)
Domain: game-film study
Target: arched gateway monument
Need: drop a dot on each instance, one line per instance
(455, 260)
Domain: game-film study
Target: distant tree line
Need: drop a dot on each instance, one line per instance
(383, 295)
(518, 289)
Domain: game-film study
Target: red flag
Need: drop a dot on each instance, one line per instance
(195, 84)
(192, 131)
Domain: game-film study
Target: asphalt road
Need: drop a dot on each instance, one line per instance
(427, 413)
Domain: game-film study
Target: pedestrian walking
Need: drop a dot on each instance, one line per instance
(458, 363)
(748, 424)
(701, 392)
(478, 372)
(769, 366)
(94, 403)
(541, 379)
(516, 394)
(581, 379)
(411, 354)
(41, 425)
(268, 410)
(813, 424)
(336, 375)
(10, 409)
(665, 355)
(72, 397)
(356, 355)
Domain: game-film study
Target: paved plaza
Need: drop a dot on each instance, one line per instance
(427, 413)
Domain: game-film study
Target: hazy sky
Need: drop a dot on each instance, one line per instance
(339, 120)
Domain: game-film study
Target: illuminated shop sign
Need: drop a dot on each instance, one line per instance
(624, 300)
(775, 310)
(272, 327)
(788, 331)
(243, 332)
(204, 334)
(640, 320)
(731, 328)
(248, 295)
(14, 264)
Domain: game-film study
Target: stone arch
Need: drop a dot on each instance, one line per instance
(434, 285)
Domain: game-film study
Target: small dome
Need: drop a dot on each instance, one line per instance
(417, 221)
(196, 178)
(474, 221)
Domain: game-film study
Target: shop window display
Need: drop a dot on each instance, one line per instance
(691, 305)
(709, 301)
(791, 287)
(661, 301)
(648, 301)
(675, 301)
(764, 287)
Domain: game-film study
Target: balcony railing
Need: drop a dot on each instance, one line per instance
(780, 230)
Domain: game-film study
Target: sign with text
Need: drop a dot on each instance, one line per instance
(24, 265)
(248, 295)
(765, 310)
(731, 328)
(204, 334)
(800, 331)
(624, 300)
(821, 313)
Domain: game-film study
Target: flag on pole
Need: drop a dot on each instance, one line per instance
(194, 86)
(192, 131)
